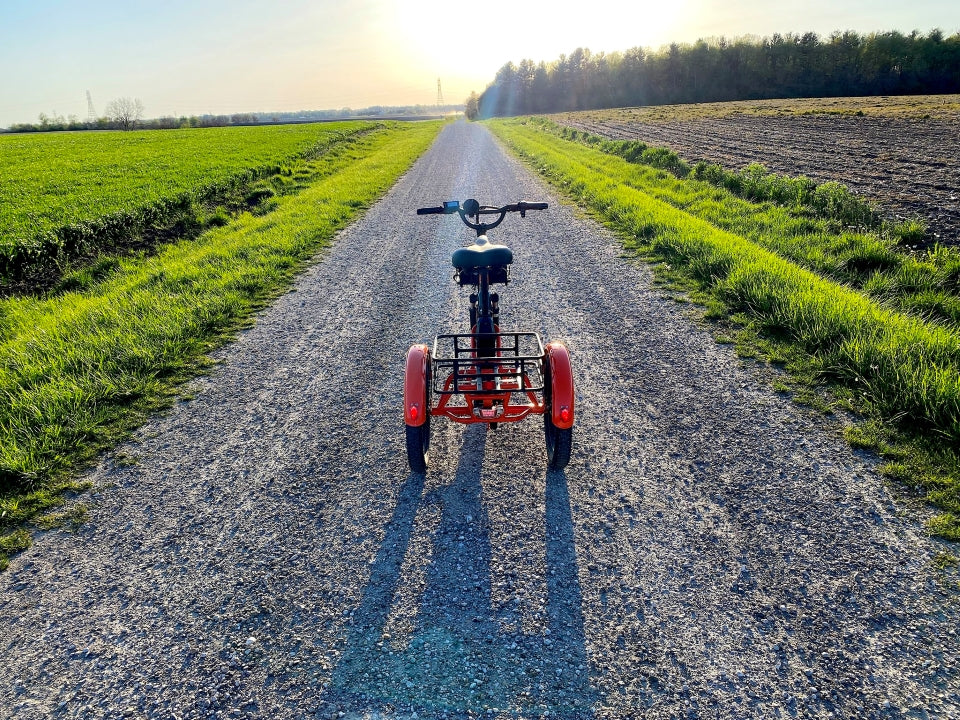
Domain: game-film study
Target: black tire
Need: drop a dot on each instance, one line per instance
(559, 443)
(418, 446)
(418, 438)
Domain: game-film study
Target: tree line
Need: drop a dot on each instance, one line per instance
(781, 66)
(127, 114)
(57, 122)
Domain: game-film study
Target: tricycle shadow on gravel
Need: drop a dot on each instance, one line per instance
(462, 653)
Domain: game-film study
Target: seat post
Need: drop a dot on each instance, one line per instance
(484, 294)
(486, 342)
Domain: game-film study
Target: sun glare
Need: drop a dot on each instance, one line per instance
(474, 41)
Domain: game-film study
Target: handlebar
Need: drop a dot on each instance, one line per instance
(472, 208)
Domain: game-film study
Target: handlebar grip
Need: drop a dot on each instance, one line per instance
(532, 205)
(430, 211)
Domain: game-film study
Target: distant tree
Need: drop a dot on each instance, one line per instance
(717, 69)
(125, 112)
(472, 109)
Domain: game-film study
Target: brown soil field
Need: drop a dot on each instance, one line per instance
(899, 153)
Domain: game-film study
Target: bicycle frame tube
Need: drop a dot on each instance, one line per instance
(483, 293)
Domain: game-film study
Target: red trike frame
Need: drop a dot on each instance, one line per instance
(487, 376)
(506, 386)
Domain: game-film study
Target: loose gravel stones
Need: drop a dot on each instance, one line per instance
(711, 551)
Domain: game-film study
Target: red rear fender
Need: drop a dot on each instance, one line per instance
(561, 385)
(415, 385)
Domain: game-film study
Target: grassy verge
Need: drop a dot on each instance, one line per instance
(899, 371)
(82, 368)
(66, 197)
(822, 227)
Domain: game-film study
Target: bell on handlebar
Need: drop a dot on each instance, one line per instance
(471, 207)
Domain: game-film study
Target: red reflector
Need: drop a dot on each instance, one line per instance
(565, 415)
(414, 412)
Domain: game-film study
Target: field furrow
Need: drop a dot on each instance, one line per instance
(902, 164)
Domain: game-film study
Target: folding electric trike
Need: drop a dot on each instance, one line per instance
(487, 375)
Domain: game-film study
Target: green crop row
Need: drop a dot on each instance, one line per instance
(68, 194)
(802, 221)
(902, 371)
(79, 369)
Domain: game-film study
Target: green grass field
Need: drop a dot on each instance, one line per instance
(898, 370)
(80, 368)
(61, 193)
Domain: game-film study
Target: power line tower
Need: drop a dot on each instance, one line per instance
(439, 94)
(91, 112)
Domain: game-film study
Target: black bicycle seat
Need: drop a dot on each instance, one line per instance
(482, 254)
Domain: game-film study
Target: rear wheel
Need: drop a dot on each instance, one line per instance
(418, 446)
(418, 436)
(559, 443)
(559, 440)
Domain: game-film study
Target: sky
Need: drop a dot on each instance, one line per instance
(191, 57)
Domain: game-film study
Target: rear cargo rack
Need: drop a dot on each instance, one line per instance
(487, 363)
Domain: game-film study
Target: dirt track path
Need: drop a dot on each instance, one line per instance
(710, 552)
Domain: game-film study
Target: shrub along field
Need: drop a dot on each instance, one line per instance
(788, 273)
(79, 368)
(63, 195)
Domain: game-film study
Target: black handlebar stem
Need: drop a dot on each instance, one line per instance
(472, 208)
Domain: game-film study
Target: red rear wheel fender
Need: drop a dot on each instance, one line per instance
(561, 385)
(415, 406)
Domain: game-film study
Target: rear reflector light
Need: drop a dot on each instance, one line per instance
(491, 413)
(565, 415)
(414, 412)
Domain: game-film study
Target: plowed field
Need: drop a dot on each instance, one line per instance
(906, 165)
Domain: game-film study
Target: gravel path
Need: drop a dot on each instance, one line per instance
(711, 551)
